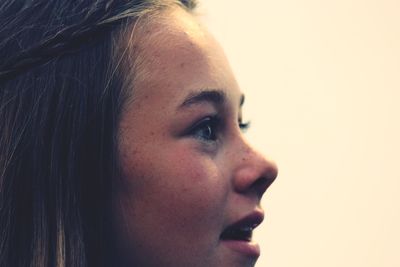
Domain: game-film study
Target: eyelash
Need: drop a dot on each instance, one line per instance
(212, 125)
(244, 126)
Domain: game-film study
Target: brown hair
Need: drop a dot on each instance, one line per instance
(61, 93)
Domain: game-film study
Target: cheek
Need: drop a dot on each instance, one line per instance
(171, 199)
(196, 185)
(177, 186)
(182, 181)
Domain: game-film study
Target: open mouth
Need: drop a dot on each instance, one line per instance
(242, 230)
(237, 232)
(238, 236)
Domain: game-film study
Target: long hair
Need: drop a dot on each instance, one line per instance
(61, 93)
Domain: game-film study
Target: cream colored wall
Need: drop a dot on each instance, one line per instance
(323, 85)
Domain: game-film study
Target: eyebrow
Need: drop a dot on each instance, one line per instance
(216, 97)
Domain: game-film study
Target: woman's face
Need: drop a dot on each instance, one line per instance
(191, 187)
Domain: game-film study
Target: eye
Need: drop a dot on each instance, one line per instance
(244, 126)
(206, 129)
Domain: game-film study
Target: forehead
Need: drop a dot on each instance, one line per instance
(175, 55)
(173, 35)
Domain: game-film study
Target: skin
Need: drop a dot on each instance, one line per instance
(181, 188)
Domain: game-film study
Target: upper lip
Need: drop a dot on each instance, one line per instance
(251, 220)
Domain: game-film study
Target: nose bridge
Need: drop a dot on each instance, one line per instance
(254, 173)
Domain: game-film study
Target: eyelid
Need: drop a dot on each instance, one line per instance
(244, 126)
(216, 123)
(213, 118)
(207, 130)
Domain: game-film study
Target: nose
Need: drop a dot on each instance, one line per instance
(254, 172)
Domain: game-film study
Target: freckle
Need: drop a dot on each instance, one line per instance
(152, 133)
(182, 65)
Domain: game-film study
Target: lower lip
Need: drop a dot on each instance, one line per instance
(247, 248)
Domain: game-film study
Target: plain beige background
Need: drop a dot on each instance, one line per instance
(322, 80)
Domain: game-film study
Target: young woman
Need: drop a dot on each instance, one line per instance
(120, 139)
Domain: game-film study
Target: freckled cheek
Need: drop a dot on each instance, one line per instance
(197, 189)
(197, 172)
(181, 186)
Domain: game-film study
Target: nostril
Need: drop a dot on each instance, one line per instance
(254, 173)
(261, 185)
(265, 180)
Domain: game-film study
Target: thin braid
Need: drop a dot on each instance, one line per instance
(70, 38)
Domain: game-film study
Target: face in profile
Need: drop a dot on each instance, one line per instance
(191, 186)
